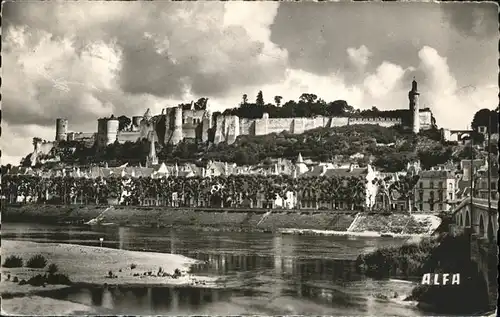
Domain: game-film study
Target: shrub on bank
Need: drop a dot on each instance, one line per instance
(444, 253)
(405, 261)
(52, 269)
(13, 261)
(37, 262)
(51, 279)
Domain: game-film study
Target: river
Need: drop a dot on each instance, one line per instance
(263, 273)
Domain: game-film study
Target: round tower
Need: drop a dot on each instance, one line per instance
(112, 125)
(136, 121)
(177, 128)
(413, 95)
(61, 129)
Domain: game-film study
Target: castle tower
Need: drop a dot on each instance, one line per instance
(177, 128)
(413, 95)
(112, 125)
(152, 159)
(61, 129)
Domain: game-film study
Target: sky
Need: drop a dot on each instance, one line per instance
(85, 60)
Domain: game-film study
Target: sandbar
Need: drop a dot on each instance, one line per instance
(91, 265)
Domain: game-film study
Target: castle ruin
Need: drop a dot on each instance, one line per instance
(179, 123)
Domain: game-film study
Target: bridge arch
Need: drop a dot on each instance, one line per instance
(461, 220)
(490, 232)
(467, 218)
(482, 229)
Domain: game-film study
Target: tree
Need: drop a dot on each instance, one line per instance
(308, 98)
(260, 99)
(277, 100)
(201, 104)
(338, 108)
(123, 122)
(482, 117)
(405, 186)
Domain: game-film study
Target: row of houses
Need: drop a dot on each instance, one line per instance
(437, 190)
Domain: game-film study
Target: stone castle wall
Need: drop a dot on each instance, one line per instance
(425, 120)
(227, 128)
(128, 136)
(80, 136)
(384, 122)
(44, 147)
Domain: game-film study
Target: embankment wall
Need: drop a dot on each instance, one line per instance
(250, 219)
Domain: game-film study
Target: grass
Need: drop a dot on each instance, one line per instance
(13, 261)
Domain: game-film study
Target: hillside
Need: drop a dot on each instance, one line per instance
(389, 149)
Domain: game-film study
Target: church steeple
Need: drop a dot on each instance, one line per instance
(152, 159)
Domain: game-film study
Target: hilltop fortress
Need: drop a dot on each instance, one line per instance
(179, 123)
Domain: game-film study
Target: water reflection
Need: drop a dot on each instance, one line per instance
(261, 273)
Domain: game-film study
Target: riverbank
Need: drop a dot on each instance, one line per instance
(381, 226)
(219, 219)
(86, 265)
(44, 306)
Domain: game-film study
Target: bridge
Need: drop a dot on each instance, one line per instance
(456, 135)
(480, 223)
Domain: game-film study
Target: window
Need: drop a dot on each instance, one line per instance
(421, 207)
(441, 195)
(421, 185)
(183, 120)
(421, 196)
(451, 196)
(493, 185)
(440, 206)
(194, 121)
(431, 207)
(431, 184)
(440, 184)
(431, 195)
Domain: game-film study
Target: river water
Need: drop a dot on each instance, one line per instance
(264, 273)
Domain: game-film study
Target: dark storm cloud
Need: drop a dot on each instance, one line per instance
(473, 19)
(317, 40)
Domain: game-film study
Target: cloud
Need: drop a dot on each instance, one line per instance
(168, 51)
(92, 59)
(359, 57)
(13, 152)
(384, 79)
(473, 19)
(452, 105)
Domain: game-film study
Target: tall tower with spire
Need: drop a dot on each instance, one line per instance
(300, 165)
(152, 159)
(413, 95)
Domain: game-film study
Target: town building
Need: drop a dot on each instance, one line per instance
(435, 191)
(481, 184)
